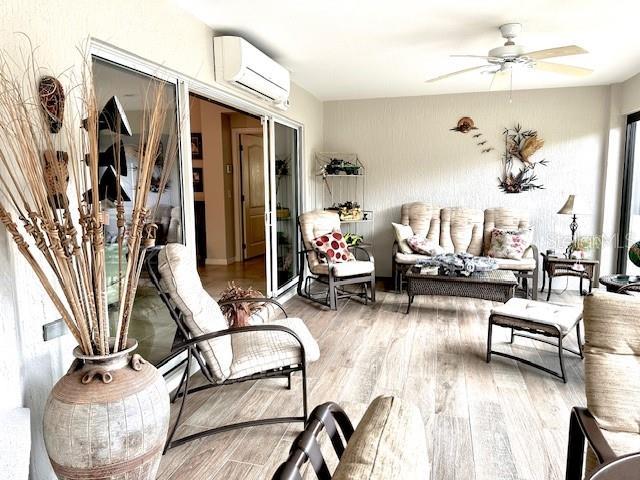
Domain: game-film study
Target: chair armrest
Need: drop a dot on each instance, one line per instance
(629, 288)
(328, 417)
(536, 255)
(183, 346)
(254, 300)
(583, 426)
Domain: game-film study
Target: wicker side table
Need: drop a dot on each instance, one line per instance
(563, 267)
(497, 285)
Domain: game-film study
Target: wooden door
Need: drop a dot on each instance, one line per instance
(252, 164)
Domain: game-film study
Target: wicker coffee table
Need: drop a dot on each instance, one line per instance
(496, 285)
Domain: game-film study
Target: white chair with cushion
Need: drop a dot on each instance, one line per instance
(274, 349)
(539, 319)
(326, 271)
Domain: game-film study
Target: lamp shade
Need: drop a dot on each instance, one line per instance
(569, 206)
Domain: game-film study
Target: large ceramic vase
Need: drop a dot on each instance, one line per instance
(107, 418)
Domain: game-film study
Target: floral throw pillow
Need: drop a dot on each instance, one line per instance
(423, 246)
(509, 243)
(334, 246)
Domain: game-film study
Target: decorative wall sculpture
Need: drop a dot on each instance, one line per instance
(519, 165)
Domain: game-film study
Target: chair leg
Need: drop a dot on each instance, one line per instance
(579, 339)
(172, 432)
(289, 381)
(489, 340)
(549, 292)
(373, 289)
(512, 336)
(333, 294)
(305, 407)
(534, 285)
(561, 357)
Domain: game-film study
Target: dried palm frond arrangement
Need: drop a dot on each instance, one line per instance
(239, 313)
(50, 197)
(520, 146)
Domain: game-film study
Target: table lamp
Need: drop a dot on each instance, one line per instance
(569, 208)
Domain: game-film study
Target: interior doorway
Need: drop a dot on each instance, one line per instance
(229, 195)
(250, 158)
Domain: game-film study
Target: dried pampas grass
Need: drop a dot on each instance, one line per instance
(44, 180)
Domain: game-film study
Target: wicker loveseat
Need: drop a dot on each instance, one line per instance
(464, 230)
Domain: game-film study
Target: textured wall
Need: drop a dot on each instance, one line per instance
(410, 154)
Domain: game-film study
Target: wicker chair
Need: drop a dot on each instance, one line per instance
(334, 276)
(276, 349)
(611, 422)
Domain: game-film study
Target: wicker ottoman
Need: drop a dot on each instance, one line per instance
(539, 318)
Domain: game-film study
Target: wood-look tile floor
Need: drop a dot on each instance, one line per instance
(494, 421)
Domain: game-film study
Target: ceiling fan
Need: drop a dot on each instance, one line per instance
(503, 60)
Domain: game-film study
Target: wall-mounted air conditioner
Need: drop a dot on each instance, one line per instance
(244, 66)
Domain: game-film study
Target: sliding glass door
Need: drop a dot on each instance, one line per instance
(284, 205)
(151, 324)
(630, 218)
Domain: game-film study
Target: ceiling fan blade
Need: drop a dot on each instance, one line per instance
(556, 52)
(563, 69)
(491, 59)
(441, 77)
(500, 80)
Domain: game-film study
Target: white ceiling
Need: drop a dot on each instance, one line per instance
(345, 49)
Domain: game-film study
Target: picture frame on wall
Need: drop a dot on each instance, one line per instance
(196, 146)
(198, 185)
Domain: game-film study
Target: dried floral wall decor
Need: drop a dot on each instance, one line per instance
(519, 165)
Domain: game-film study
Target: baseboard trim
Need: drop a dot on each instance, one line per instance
(219, 261)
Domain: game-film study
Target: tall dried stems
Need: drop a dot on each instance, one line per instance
(56, 227)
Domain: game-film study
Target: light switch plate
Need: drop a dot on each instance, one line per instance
(54, 329)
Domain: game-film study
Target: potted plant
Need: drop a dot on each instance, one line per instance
(586, 245)
(239, 313)
(108, 416)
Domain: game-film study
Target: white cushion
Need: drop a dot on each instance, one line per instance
(402, 233)
(524, 264)
(410, 258)
(346, 269)
(202, 315)
(564, 317)
(255, 352)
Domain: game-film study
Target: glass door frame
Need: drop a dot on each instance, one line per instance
(627, 189)
(272, 203)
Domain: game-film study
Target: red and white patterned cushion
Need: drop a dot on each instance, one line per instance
(334, 246)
